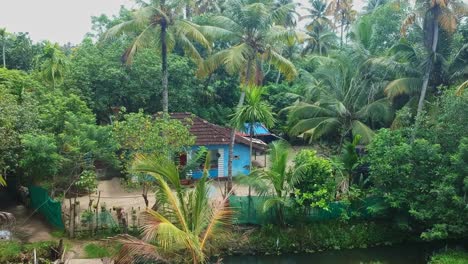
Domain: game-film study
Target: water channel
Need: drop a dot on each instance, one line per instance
(412, 253)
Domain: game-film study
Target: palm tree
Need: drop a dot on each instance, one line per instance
(277, 182)
(160, 23)
(317, 13)
(255, 110)
(372, 5)
(342, 101)
(433, 14)
(53, 63)
(185, 219)
(343, 14)
(321, 39)
(3, 35)
(253, 27)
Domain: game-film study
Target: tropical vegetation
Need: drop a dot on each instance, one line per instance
(370, 105)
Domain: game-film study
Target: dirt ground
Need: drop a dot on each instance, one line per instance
(113, 194)
(30, 226)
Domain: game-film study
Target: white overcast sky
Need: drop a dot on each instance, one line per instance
(62, 20)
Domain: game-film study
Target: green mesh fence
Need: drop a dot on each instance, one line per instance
(50, 209)
(249, 210)
(106, 220)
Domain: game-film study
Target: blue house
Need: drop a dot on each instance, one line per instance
(216, 139)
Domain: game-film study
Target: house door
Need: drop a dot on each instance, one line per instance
(183, 159)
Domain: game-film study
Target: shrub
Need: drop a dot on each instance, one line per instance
(316, 186)
(9, 251)
(450, 257)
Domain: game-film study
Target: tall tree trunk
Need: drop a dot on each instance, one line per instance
(188, 11)
(341, 29)
(278, 77)
(3, 52)
(252, 133)
(233, 131)
(427, 74)
(165, 73)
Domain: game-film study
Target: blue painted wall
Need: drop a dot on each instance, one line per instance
(237, 165)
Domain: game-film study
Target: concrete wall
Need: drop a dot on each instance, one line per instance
(239, 165)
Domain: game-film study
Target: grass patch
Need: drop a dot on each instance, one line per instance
(450, 257)
(99, 250)
(58, 234)
(9, 250)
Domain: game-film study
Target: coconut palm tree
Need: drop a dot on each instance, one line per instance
(341, 101)
(276, 182)
(53, 63)
(320, 38)
(317, 14)
(343, 15)
(185, 220)
(433, 14)
(160, 23)
(372, 5)
(3, 35)
(254, 29)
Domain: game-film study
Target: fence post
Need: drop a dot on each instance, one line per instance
(72, 220)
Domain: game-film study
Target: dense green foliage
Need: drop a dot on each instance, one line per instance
(310, 238)
(424, 178)
(316, 188)
(352, 83)
(450, 257)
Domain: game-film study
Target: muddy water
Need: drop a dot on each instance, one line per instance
(413, 253)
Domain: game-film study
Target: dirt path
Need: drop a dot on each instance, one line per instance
(30, 226)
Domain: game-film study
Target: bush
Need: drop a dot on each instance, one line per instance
(316, 187)
(450, 257)
(15, 252)
(94, 250)
(310, 237)
(418, 179)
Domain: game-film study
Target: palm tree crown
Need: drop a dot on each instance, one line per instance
(160, 24)
(340, 101)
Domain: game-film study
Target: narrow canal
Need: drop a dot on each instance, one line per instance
(413, 253)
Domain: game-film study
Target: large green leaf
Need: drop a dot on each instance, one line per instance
(363, 130)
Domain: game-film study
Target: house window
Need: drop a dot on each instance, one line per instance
(214, 156)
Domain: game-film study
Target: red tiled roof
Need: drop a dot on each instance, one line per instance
(207, 133)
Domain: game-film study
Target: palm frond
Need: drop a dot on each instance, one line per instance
(377, 110)
(273, 202)
(191, 31)
(363, 130)
(314, 127)
(226, 23)
(2, 181)
(285, 66)
(220, 217)
(141, 41)
(132, 249)
(408, 85)
(461, 88)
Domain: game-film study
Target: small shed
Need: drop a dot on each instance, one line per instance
(260, 132)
